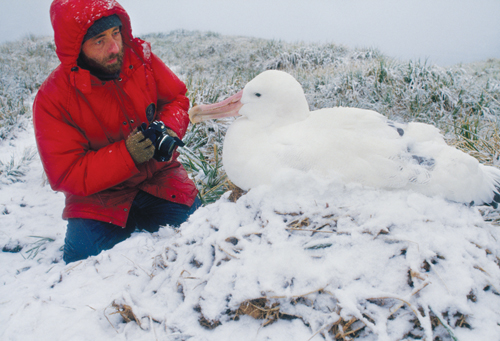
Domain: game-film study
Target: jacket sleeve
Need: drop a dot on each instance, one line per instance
(70, 165)
(173, 105)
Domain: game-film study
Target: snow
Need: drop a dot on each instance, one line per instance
(276, 130)
(445, 32)
(356, 264)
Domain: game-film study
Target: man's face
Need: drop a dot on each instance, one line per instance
(104, 52)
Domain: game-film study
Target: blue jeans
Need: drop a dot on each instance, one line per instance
(88, 237)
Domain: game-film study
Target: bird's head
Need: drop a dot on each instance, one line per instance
(273, 97)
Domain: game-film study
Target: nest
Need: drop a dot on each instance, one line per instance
(270, 309)
(206, 246)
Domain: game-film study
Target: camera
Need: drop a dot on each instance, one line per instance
(163, 142)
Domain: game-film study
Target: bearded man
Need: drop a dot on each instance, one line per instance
(86, 117)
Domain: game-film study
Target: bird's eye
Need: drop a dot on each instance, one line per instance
(257, 94)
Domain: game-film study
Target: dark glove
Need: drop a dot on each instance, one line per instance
(140, 147)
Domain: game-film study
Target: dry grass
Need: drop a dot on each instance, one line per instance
(484, 147)
(125, 312)
(236, 192)
(464, 104)
(270, 309)
(420, 320)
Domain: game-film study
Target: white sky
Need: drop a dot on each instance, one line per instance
(442, 31)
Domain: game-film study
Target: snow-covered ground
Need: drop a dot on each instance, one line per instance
(304, 259)
(304, 256)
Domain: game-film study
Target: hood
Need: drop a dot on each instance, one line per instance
(72, 18)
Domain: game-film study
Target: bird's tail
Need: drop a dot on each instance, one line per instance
(496, 199)
(494, 174)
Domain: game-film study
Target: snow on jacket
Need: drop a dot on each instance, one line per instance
(81, 122)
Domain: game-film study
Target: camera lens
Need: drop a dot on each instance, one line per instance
(166, 145)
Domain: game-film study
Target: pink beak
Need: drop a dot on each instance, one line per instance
(227, 108)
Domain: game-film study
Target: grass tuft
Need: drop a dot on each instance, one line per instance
(37, 246)
(463, 101)
(14, 170)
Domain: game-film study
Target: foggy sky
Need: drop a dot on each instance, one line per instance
(442, 31)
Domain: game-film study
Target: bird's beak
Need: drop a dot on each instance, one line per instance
(226, 108)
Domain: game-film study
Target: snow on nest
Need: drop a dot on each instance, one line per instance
(374, 251)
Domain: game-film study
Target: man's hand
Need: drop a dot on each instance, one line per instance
(171, 132)
(140, 147)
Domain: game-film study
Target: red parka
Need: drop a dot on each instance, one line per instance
(81, 122)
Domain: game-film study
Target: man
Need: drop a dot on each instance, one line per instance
(86, 117)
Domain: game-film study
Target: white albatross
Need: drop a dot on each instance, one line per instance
(277, 131)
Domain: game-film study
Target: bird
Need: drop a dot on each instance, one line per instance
(276, 130)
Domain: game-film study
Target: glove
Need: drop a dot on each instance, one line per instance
(180, 143)
(172, 133)
(140, 148)
(164, 140)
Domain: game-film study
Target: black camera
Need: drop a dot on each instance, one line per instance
(163, 142)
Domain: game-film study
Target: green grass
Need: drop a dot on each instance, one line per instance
(463, 101)
(14, 170)
(37, 246)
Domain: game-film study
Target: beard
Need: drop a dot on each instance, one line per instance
(101, 66)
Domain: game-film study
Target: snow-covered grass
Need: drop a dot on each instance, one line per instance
(463, 101)
(303, 259)
(24, 65)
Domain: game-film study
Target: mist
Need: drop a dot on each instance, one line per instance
(444, 32)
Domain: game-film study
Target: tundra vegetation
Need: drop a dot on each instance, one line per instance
(463, 101)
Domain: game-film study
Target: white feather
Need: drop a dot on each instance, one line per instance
(277, 131)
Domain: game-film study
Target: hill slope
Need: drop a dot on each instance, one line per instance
(304, 259)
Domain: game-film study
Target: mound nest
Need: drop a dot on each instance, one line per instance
(346, 272)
